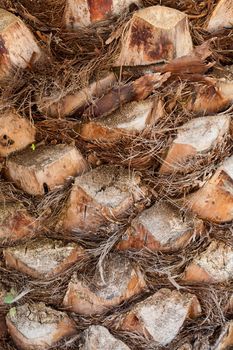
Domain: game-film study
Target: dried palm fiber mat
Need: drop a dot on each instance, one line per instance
(84, 50)
(72, 61)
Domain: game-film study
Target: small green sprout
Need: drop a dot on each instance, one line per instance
(33, 146)
(9, 298)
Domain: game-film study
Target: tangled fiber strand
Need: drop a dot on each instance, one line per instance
(200, 169)
(72, 61)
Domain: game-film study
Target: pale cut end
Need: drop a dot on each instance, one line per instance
(94, 295)
(45, 168)
(15, 222)
(161, 316)
(43, 258)
(37, 327)
(196, 137)
(161, 227)
(225, 87)
(177, 156)
(57, 106)
(130, 119)
(214, 201)
(99, 338)
(195, 273)
(16, 133)
(20, 53)
(214, 265)
(225, 340)
(156, 33)
(82, 13)
(222, 16)
(100, 196)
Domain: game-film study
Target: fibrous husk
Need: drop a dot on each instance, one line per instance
(76, 59)
(33, 169)
(79, 13)
(155, 34)
(22, 55)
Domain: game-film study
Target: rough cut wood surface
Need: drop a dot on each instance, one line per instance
(214, 201)
(132, 118)
(45, 168)
(80, 13)
(214, 265)
(116, 175)
(136, 90)
(99, 338)
(156, 33)
(161, 316)
(38, 327)
(18, 47)
(100, 196)
(63, 106)
(161, 227)
(221, 17)
(198, 136)
(15, 222)
(212, 97)
(16, 133)
(119, 281)
(43, 258)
